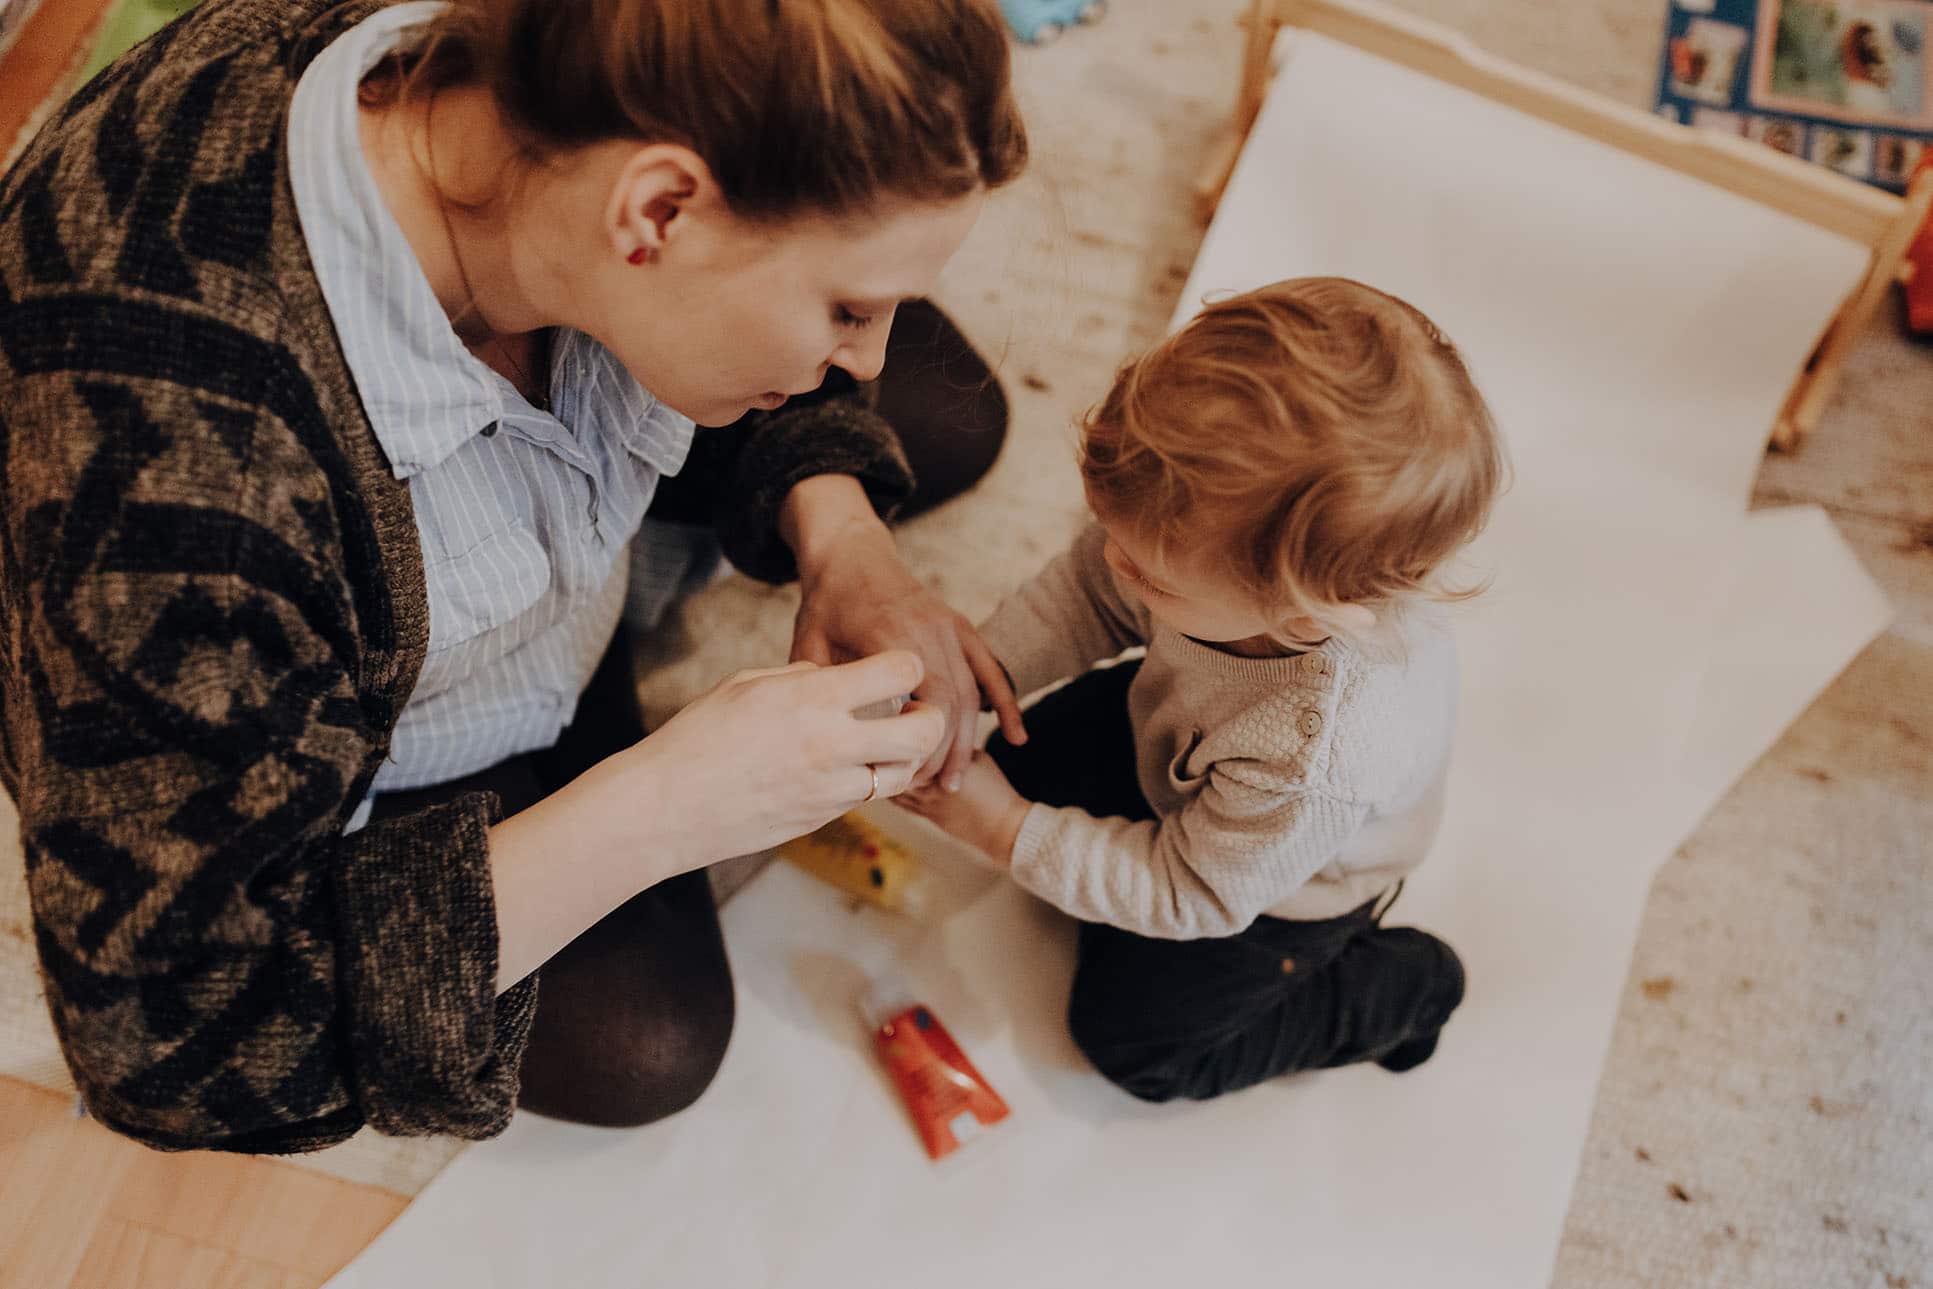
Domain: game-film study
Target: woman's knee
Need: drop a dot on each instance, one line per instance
(633, 1016)
(660, 1069)
(944, 402)
(635, 1070)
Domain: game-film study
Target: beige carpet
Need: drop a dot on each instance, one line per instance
(1766, 1115)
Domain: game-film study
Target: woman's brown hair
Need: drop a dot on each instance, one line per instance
(797, 106)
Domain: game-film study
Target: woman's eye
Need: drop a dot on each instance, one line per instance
(847, 318)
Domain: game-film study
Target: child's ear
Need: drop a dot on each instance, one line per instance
(1356, 619)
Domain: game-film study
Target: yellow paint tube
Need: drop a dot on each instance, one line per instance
(852, 854)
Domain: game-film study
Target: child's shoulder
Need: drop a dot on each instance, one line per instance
(1395, 694)
(1346, 715)
(1411, 642)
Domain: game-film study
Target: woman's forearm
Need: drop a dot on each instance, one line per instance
(558, 867)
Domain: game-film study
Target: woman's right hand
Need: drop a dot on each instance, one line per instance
(768, 755)
(763, 757)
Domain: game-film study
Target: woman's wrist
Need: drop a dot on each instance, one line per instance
(822, 512)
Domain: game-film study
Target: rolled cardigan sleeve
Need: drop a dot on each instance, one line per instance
(435, 1049)
(736, 479)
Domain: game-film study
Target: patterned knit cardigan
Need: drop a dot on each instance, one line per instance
(212, 610)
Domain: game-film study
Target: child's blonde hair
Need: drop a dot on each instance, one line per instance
(1317, 441)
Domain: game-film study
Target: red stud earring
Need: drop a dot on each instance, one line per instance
(640, 255)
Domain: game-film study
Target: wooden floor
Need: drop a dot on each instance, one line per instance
(84, 1208)
(47, 54)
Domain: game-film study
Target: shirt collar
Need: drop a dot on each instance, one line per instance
(593, 391)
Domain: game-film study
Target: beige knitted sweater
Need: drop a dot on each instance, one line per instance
(1299, 786)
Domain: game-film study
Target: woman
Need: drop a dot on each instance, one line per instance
(341, 352)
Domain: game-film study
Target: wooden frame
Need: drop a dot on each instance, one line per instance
(1866, 215)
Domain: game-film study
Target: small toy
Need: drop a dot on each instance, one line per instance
(855, 856)
(949, 1100)
(1039, 22)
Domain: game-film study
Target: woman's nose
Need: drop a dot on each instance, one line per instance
(865, 357)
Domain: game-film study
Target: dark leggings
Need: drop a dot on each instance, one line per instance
(633, 1016)
(1197, 1018)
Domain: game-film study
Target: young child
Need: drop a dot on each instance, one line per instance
(1277, 488)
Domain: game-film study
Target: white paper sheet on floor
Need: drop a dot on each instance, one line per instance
(1643, 643)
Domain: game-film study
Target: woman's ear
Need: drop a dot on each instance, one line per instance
(655, 187)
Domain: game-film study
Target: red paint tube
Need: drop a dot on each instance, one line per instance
(949, 1101)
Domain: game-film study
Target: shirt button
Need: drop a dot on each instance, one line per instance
(1311, 723)
(490, 430)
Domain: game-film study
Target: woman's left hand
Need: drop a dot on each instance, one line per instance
(860, 599)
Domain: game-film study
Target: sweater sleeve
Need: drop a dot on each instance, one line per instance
(736, 478)
(183, 736)
(1240, 845)
(1071, 616)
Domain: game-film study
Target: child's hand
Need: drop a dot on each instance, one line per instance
(986, 812)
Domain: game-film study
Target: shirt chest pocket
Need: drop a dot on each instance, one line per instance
(483, 592)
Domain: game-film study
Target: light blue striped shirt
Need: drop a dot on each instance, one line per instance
(525, 516)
